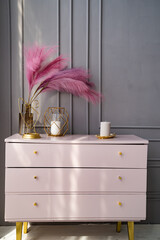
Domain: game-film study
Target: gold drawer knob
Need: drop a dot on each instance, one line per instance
(119, 177)
(119, 203)
(120, 153)
(35, 177)
(35, 204)
(35, 152)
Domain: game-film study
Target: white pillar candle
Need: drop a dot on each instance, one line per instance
(105, 129)
(55, 127)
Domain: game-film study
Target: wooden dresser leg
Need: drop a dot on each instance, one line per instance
(25, 224)
(19, 230)
(131, 230)
(118, 229)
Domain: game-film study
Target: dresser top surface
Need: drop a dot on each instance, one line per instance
(78, 139)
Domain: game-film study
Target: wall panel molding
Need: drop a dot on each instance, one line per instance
(71, 62)
(16, 58)
(137, 127)
(104, 7)
(58, 42)
(100, 57)
(87, 57)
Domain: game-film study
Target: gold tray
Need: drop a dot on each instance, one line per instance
(112, 135)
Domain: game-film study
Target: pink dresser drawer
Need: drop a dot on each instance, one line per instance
(70, 180)
(21, 206)
(75, 155)
(75, 207)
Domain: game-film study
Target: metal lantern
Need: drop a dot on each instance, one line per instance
(56, 121)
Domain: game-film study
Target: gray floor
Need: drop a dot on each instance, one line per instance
(83, 232)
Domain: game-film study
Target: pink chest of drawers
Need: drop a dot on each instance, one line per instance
(75, 178)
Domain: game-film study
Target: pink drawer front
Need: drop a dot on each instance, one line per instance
(75, 207)
(75, 155)
(67, 180)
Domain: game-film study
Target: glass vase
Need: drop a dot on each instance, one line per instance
(27, 122)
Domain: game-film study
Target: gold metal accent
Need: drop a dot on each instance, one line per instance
(54, 114)
(35, 177)
(131, 230)
(120, 178)
(51, 135)
(35, 204)
(31, 135)
(35, 152)
(112, 135)
(119, 203)
(120, 153)
(19, 230)
(118, 229)
(25, 224)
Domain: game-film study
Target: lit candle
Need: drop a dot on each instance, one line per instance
(55, 127)
(105, 129)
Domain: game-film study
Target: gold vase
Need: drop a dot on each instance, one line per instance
(26, 122)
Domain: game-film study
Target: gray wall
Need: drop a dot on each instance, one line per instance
(118, 40)
(5, 92)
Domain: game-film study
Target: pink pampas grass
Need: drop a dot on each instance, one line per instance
(52, 75)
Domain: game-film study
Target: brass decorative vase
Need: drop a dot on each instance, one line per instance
(27, 123)
(56, 121)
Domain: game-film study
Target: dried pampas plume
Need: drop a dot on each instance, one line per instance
(51, 74)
